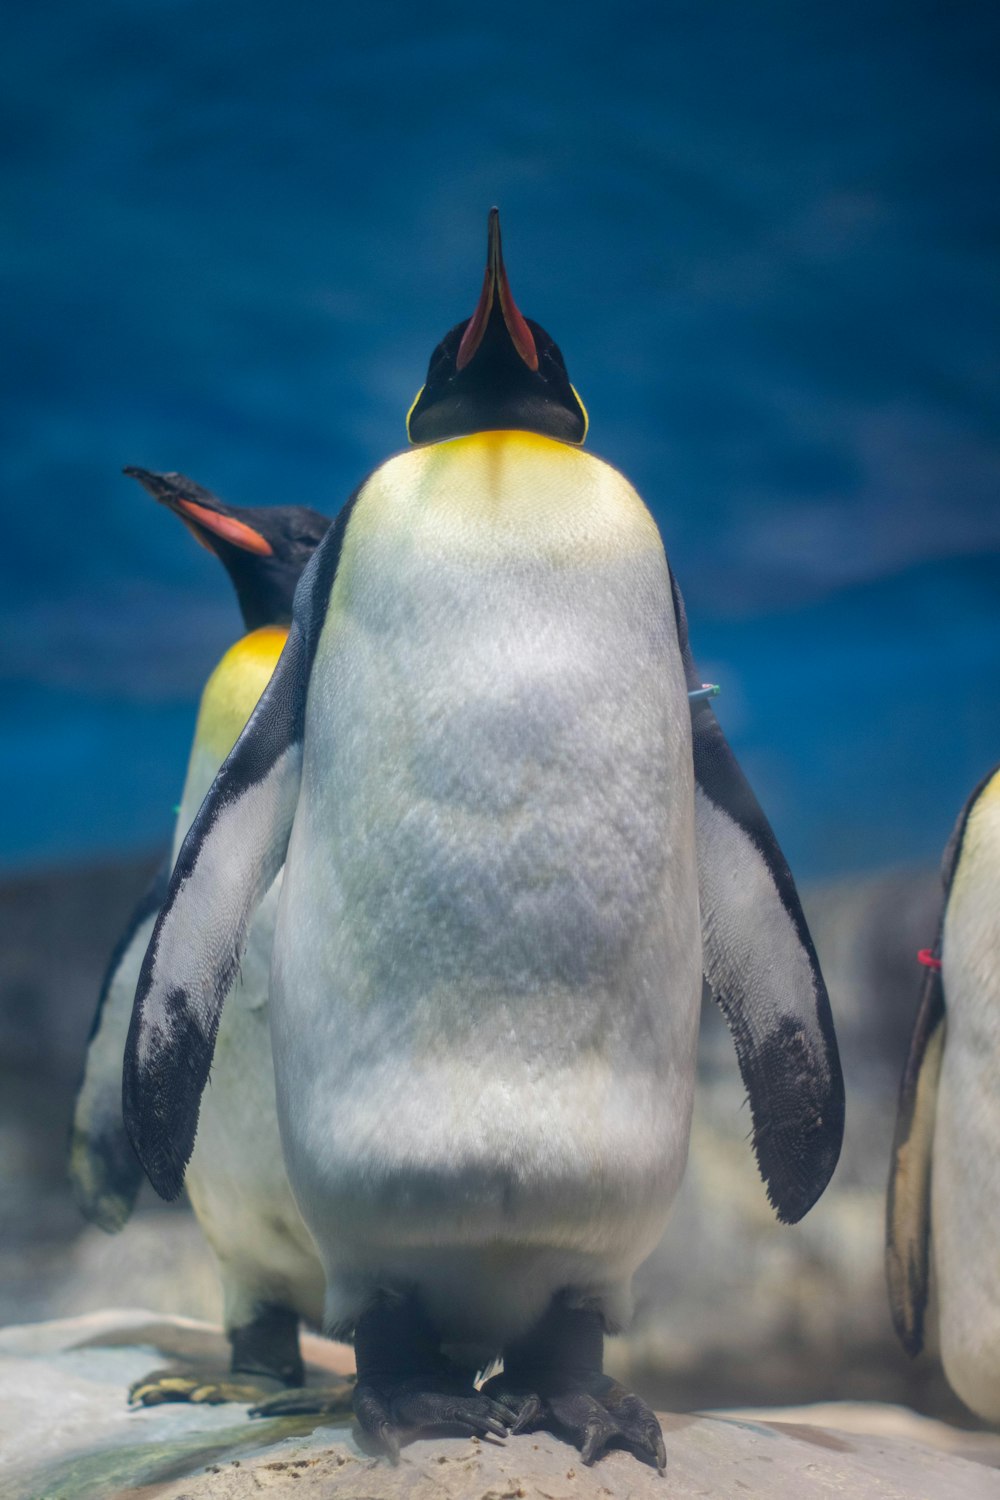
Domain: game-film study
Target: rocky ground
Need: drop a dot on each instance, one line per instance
(66, 1434)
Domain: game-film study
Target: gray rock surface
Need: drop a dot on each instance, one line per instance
(66, 1434)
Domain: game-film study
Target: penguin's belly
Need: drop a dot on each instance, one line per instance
(236, 1178)
(966, 1167)
(487, 970)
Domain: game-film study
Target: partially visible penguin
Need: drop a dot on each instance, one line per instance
(511, 845)
(270, 1272)
(944, 1185)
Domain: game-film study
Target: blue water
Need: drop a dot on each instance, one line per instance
(764, 236)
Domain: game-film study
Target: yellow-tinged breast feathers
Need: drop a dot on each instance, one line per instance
(509, 494)
(990, 793)
(232, 691)
(980, 839)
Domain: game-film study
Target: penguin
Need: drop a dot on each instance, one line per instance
(270, 1271)
(512, 844)
(944, 1182)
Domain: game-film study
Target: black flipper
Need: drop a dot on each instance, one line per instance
(104, 1171)
(908, 1201)
(232, 853)
(761, 965)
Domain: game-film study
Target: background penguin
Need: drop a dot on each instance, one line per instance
(269, 1268)
(944, 1184)
(499, 817)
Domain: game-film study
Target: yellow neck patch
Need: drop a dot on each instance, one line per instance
(991, 791)
(232, 691)
(979, 857)
(503, 494)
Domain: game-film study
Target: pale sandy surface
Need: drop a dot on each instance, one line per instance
(66, 1434)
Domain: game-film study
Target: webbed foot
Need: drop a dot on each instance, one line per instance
(556, 1373)
(608, 1416)
(304, 1400)
(392, 1412)
(405, 1386)
(201, 1388)
(265, 1359)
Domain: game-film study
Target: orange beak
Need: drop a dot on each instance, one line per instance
(495, 284)
(226, 527)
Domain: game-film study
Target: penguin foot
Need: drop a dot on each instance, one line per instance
(606, 1416)
(320, 1401)
(556, 1378)
(202, 1388)
(406, 1386)
(431, 1403)
(267, 1348)
(593, 1412)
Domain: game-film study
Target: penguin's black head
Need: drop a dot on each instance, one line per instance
(496, 370)
(263, 550)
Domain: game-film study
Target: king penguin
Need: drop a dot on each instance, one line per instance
(270, 1271)
(944, 1184)
(512, 843)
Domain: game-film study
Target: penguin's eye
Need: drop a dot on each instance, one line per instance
(442, 364)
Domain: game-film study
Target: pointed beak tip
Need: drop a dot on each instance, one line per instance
(496, 284)
(494, 242)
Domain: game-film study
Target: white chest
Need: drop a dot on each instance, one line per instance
(966, 1168)
(488, 957)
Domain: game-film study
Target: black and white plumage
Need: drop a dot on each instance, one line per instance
(943, 1205)
(508, 852)
(237, 1180)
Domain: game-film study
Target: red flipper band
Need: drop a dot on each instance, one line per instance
(926, 957)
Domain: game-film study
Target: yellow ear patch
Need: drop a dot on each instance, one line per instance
(991, 791)
(586, 416)
(232, 691)
(409, 414)
(980, 840)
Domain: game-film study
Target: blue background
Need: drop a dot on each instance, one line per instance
(763, 234)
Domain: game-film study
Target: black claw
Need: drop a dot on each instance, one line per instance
(473, 1414)
(520, 1409)
(388, 1439)
(504, 1411)
(375, 1422)
(528, 1416)
(584, 1418)
(638, 1426)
